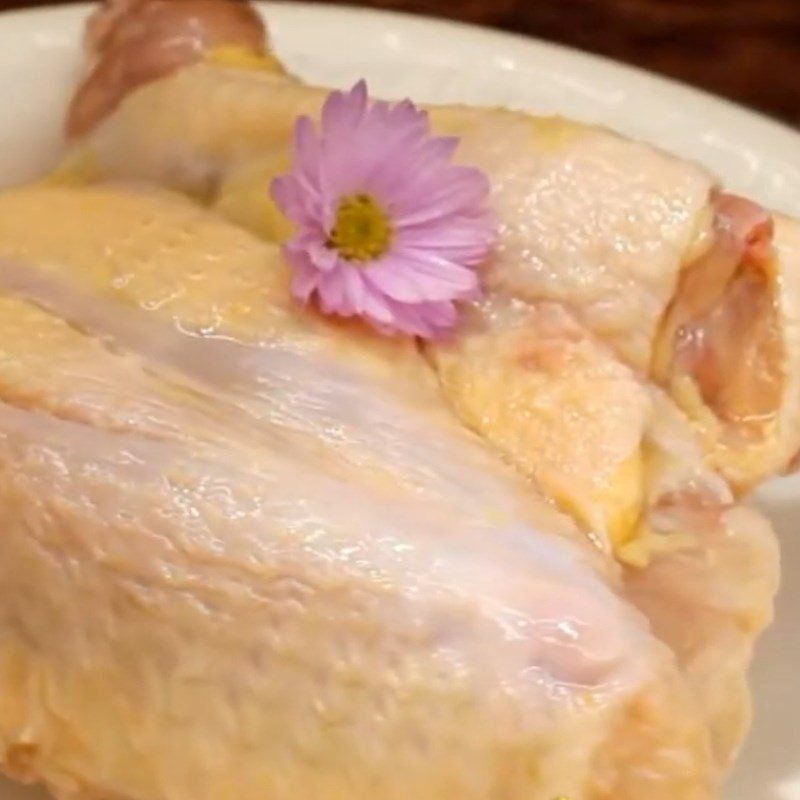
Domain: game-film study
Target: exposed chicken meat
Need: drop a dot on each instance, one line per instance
(727, 346)
(748, 224)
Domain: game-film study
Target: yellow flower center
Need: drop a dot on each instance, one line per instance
(361, 231)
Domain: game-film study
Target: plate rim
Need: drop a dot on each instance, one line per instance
(523, 40)
(519, 42)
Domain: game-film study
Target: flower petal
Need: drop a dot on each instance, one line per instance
(355, 290)
(298, 205)
(373, 152)
(427, 320)
(457, 230)
(438, 278)
(304, 283)
(331, 292)
(342, 113)
(376, 306)
(322, 256)
(436, 210)
(404, 114)
(415, 280)
(407, 173)
(462, 241)
(406, 319)
(440, 316)
(459, 190)
(395, 282)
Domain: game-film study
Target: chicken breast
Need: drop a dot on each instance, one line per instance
(588, 219)
(248, 553)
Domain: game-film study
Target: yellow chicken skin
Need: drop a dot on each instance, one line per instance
(578, 226)
(249, 553)
(621, 458)
(176, 328)
(557, 405)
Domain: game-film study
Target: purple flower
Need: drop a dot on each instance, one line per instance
(386, 228)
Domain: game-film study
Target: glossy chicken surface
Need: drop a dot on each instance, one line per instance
(252, 553)
(268, 560)
(608, 227)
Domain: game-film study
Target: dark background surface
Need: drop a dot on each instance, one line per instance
(748, 50)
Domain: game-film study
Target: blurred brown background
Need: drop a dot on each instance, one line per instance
(748, 50)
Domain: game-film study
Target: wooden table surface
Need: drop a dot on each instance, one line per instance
(748, 50)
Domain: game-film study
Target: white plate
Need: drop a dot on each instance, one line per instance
(430, 60)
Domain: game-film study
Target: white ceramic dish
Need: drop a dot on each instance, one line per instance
(401, 55)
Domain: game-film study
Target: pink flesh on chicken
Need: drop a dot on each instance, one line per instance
(133, 42)
(723, 328)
